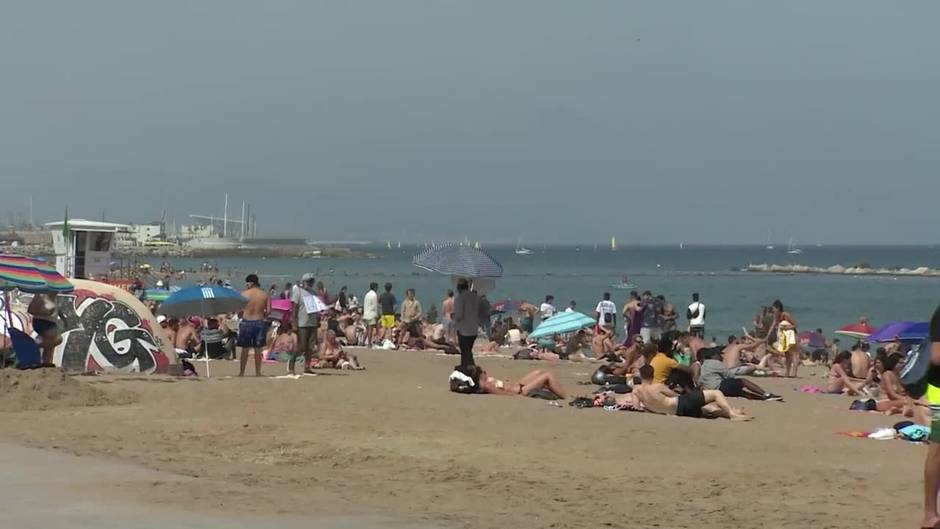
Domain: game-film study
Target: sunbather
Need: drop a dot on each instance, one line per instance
(525, 386)
(333, 356)
(657, 398)
(839, 380)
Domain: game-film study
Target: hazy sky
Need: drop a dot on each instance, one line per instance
(554, 121)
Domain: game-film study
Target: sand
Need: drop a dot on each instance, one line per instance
(45, 389)
(393, 441)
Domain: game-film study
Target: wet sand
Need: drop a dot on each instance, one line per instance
(392, 441)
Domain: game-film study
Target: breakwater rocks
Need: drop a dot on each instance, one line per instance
(861, 270)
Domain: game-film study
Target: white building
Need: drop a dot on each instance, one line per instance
(196, 231)
(83, 247)
(140, 234)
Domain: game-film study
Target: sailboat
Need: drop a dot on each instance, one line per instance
(522, 250)
(613, 244)
(388, 244)
(769, 246)
(793, 250)
(476, 245)
(399, 245)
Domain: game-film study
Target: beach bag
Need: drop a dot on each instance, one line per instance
(461, 381)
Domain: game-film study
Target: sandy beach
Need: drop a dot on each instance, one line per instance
(392, 441)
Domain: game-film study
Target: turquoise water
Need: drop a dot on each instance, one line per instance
(584, 274)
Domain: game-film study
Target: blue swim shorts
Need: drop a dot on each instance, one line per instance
(251, 333)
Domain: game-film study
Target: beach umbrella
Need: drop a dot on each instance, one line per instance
(890, 332)
(31, 275)
(459, 261)
(563, 323)
(916, 332)
(207, 301)
(859, 331)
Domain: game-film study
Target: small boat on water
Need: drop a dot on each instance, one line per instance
(793, 250)
(613, 244)
(522, 250)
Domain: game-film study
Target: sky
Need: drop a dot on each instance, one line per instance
(546, 121)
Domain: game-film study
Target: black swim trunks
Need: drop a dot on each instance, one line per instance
(691, 404)
(732, 387)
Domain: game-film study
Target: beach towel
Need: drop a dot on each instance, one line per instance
(883, 434)
(861, 435)
(914, 433)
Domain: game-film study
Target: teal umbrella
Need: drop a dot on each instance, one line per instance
(563, 323)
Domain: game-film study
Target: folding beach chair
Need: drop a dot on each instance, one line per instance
(26, 349)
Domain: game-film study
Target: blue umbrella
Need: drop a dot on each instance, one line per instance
(208, 300)
(890, 332)
(203, 301)
(916, 332)
(460, 261)
(563, 323)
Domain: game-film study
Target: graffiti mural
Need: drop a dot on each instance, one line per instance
(106, 329)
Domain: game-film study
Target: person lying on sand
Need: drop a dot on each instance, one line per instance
(333, 356)
(574, 348)
(525, 386)
(839, 380)
(657, 398)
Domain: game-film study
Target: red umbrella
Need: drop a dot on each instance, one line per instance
(859, 330)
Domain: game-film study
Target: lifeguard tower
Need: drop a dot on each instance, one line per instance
(83, 247)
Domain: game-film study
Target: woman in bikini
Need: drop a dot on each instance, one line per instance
(897, 400)
(333, 356)
(839, 380)
(534, 381)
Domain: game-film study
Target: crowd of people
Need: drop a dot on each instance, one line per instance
(679, 371)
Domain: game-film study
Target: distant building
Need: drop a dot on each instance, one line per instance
(140, 234)
(188, 232)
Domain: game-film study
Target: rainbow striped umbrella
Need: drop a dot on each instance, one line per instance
(30, 275)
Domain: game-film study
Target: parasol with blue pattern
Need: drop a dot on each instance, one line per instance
(459, 261)
(563, 323)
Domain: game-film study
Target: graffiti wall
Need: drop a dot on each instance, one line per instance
(105, 328)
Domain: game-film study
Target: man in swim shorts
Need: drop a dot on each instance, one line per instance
(252, 329)
(657, 398)
(447, 317)
(387, 303)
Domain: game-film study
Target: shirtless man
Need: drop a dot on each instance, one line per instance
(447, 317)
(602, 344)
(252, 327)
(732, 352)
(657, 398)
(186, 339)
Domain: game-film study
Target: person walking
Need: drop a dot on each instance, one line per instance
(466, 320)
(696, 316)
(547, 308)
(606, 314)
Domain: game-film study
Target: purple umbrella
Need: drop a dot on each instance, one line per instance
(890, 332)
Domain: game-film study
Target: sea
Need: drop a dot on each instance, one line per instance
(583, 273)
